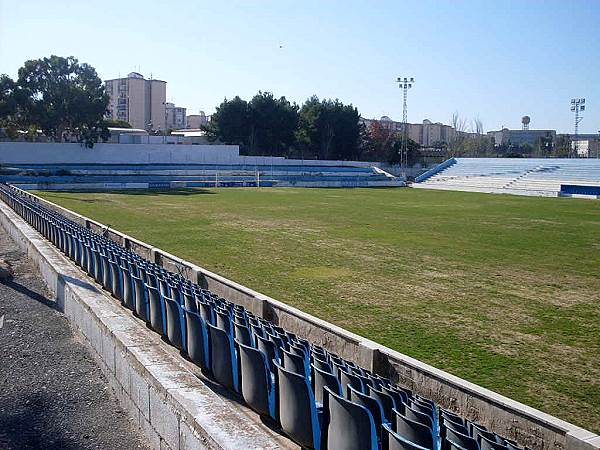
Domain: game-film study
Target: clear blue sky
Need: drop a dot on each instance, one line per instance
(497, 60)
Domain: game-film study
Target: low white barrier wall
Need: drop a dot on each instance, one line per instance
(528, 426)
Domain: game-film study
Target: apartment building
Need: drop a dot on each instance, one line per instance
(195, 121)
(426, 134)
(140, 102)
(176, 117)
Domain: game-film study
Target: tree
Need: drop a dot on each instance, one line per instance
(273, 123)
(11, 111)
(64, 98)
(230, 123)
(328, 129)
(110, 123)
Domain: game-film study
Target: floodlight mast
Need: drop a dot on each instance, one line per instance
(405, 84)
(577, 106)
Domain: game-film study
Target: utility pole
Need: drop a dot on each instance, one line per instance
(405, 84)
(577, 106)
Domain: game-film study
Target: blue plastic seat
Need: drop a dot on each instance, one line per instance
(196, 339)
(223, 358)
(346, 424)
(257, 382)
(298, 413)
(173, 315)
(372, 404)
(393, 441)
(322, 379)
(415, 432)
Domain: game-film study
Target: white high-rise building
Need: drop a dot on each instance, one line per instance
(140, 102)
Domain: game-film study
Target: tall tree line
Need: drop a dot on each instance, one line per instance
(266, 125)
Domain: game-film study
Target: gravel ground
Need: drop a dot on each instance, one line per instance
(52, 393)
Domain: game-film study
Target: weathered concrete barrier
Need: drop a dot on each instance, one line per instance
(175, 406)
(528, 426)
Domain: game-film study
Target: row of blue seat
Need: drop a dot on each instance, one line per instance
(317, 398)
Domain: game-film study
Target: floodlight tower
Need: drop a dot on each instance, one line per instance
(405, 84)
(577, 106)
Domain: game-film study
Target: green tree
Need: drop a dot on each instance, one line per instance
(230, 123)
(328, 129)
(64, 98)
(273, 123)
(110, 123)
(9, 106)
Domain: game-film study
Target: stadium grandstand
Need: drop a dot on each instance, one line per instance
(521, 176)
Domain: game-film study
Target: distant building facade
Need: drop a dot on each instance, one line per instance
(176, 117)
(195, 121)
(140, 102)
(426, 134)
(521, 137)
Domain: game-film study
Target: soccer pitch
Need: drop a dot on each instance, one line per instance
(503, 291)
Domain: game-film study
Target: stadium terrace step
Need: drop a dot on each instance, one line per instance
(514, 175)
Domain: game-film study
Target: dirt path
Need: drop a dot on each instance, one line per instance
(52, 393)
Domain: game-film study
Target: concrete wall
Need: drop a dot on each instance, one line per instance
(110, 153)
(512, 419)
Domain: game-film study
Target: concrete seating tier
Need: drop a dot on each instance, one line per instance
(207, 175)
(315, 397)
(515, 175)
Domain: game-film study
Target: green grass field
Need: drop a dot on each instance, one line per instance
(501, 290)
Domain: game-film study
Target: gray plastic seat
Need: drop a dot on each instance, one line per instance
(477, 431)
(399, 397)
(156, 308)
(196, 338)
(270, 350)
(346, 425)
(347, 379)
(462, 440)
(141, 300)
(173, 320)
(257, 385)
(294, 363)
(322, 379)
(127, 289)
(242, 334)
(489, 444)
(115, 280)
(298, 414)
(393, 441)
(372, 404)
(189, 301)
(414, 431)
(206, 312)
(223, 360)
(418, 416)
(385, 400)
(321, 364)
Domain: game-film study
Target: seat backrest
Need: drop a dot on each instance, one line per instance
(399, 397)
(297, 410)
(455, 426)
(489, 444)
(396, 442)
(257, 388)
(371, 404)
(467, 442)
(269, 348)
(322, 379)
(294, 363)
(346, 425)
(197, 338)
(418, 416)
(222, 357)
(414, 431)
(242, 334)
(386, 401)
(322, 364)
(347, 379)
(477, 432)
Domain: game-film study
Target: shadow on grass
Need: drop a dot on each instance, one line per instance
(147, 192)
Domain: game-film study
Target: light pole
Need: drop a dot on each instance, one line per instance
(405, 84)
(577, 106)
